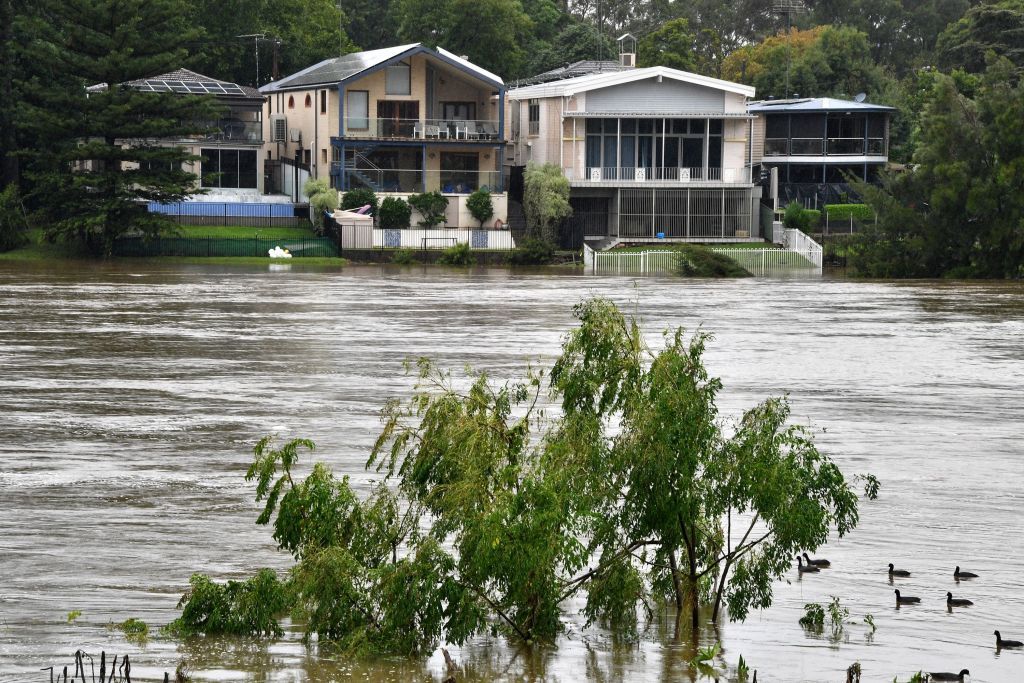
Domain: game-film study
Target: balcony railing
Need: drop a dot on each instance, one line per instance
(412, 180)
(234, 130)
(420, 129)
(815, 147)
(621, 174)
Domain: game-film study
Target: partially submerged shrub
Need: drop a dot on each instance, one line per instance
(532, 252)
(458, 255)
(241, 608)
(694, 260)
(404, 257)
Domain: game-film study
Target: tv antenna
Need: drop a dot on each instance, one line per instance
(788, 8)
(256, 38)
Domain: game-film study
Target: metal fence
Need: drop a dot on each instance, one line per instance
(760, 261)
(222, 246)
(366, 236)
(246, 214)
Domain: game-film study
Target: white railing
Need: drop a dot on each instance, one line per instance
(421, 129)
(640, 174)
(759, 261)
(441, 238)
(798, 242)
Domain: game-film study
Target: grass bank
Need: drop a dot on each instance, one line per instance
(241, 232)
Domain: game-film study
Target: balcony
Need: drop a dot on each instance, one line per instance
(816, 147)
(236, 131)
(448, 181)
(421, 129)
(618, 175)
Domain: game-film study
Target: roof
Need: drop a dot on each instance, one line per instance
(572, 86)
(584, 67)
(814, 105)
(339, 69)
(186, 82)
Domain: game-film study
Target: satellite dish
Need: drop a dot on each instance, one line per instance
(859, 97)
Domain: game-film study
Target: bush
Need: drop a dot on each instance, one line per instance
(13, 225)
(859, 212)
(532, 252)
(403, 257)
(696, 261)
(545, 199)
(813, 217)
(394, 214)
(431, 206)
(795, 217)
(361, 196)
(322, 197)
(480, 205)
(240, 608)
(459, 255)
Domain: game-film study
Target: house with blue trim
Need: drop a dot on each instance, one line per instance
(397, 120)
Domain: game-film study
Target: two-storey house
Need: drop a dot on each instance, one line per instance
(397, 120)
(650, 154)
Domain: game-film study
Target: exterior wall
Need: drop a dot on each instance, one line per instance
(457, 215)
(649, 96)
(758, 141)
(316, 128)
(735, 141)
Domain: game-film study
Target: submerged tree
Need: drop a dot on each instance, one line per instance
(492, 515)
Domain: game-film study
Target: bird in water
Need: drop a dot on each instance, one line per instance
(824, 564)
(906, 599)
(1006, 643)
(805, 568)
(957, 602)
(897, 572)
(947, 676)
(957, 574)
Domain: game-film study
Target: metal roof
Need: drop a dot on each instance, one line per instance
(571, 86)
(814, 105)
(337, 69)
(584, 67)
(185, 82)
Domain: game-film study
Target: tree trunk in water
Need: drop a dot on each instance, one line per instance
(675, 580)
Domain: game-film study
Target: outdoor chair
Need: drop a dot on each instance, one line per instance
(417, 130)
(487, 129)
(473, 131)
(432, 131)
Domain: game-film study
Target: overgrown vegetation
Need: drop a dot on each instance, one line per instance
(404, 257)
(491, 516)
(394, 214)
(13, 225)
(545, 200)
(322, 198)
(797, 217)
(236, 608)
(480, 205)
(457, 255)
(694, 260)
(532, 252)
(358, 198)
(431, 207)
(134, 630)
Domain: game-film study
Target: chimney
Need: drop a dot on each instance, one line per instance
(627, 50)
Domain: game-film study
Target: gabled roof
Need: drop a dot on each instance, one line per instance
(186, 82)
(572, 86)
(584, 67)
(813, 105)
(347, 67)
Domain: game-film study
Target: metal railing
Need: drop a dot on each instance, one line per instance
(421, 129)
(415, 180)
(348, 236)
(759, 261)
(856, 146)
(816, 147)
(793, 147)
(234, 130)
(798, 242)
(683, 175)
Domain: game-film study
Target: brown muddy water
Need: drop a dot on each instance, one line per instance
(131, 395)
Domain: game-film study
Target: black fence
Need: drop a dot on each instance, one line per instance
(223, 246)
(244, 214)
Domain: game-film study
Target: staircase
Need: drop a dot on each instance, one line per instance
(365, 171)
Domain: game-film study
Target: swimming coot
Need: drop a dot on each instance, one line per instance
(824, 564)
(946, 676)
(957, 574)
(897, 572)
(1007, 643)
(805, 568)
(906, 599)
(957, 602)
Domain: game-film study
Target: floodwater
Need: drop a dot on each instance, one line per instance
(131, 396)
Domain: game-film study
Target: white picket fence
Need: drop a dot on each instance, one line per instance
(801, 254)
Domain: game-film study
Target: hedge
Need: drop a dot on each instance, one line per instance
(860, 212)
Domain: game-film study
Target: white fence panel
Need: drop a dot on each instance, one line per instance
(765, 261)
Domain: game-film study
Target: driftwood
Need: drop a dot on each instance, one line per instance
(449, 665)
(117, 674)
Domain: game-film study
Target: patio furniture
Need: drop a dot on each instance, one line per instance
(488, 129)
(473, 131)
(432, 131)
(461, 128)
(417, 130)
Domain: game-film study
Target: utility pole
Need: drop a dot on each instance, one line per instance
(788, 8)
(257, 37)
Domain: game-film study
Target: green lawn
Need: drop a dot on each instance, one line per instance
(38, 250)
(671, 246)
(241, 231)
(304, 262)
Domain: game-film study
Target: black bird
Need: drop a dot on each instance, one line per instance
(897, 572)
(908, 600)
(947, 676)
(804, 568)
(957, 602)
(957, 574)
(825, 564)
(1007, 643)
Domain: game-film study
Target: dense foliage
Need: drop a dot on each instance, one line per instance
(545, 200)
(492, 514)
(480, 205)
(532, 252)
(358, 198)
(694, 260)
(394, 213)
(13, 226)
(460, 254)
(323, 199)
(431, 206)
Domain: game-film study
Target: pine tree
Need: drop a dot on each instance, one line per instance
(106, 160)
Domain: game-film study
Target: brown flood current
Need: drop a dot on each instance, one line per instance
(131, 395)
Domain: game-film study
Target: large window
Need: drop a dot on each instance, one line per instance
(458, 111)
(621, 145)
(397, 80)
(459, 172)
(357, 103)
(228, 168)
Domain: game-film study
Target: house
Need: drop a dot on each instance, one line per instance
(397, 120)
(231, 168)
(817, 143)
(650, 154)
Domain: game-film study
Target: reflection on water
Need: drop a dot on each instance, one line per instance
(131, 396)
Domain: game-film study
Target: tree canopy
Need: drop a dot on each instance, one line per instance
(492, 514)
(991, 27)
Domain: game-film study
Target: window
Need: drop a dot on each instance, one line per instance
(309, 101)
(534, 109)
(397, 118)
(291, 102)
(335, 154)
(459, 172)
(458, 111)
(323, 101)
(231, 168)
(358, 110)
(323, 156)
(397, 80)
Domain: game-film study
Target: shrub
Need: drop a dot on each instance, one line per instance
(431, 206)
(859, 212)
(13, 225)
(545, 199)
(403, 257)
(694, 260)
(813, 217)
(532, 252)
(796, 217)
(480, 205)
(239, 608)
(361, 196)
(322, 197)
(394, 214)
(458, 255)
